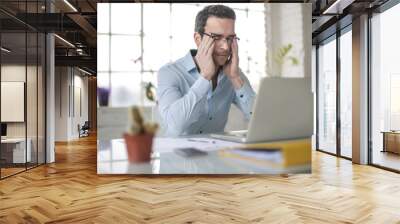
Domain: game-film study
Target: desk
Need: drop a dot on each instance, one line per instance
(112, 159)
(13, 150)
(391, 141)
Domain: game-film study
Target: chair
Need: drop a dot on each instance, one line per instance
(84, 130)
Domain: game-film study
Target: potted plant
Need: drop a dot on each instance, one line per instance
(139, 138)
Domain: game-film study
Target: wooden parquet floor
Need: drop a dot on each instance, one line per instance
(70, 191)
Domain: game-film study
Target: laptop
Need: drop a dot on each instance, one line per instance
(283, 109)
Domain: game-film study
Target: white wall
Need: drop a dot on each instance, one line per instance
(33, 126)
(289, 24)
(61, 103)
(70, 83)
(79, 117)
(16, 73)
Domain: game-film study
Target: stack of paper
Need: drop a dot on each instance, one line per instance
(166, 144)
(281, 153)
(266, 155)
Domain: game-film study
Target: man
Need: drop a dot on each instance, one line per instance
(195, 92)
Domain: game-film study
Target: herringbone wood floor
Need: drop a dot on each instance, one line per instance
(70, 191)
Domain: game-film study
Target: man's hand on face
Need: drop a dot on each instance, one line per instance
(231, 69)
(204, 57)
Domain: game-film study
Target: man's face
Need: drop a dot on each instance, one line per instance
(223, 27)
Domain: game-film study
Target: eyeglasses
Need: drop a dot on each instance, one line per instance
(218, 37)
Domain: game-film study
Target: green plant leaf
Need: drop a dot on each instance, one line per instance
(294, 60)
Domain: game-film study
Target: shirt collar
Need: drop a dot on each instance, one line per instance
(188, 60)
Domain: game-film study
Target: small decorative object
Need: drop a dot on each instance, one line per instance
(103, 96)
(150, 91)
(139, 138)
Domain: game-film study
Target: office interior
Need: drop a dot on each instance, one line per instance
(175, 37)
(47, 83)
(357, 80)
(49, 70)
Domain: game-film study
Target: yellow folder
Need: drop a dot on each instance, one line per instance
(294, 152)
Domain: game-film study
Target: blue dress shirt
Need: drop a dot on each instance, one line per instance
(188, 104)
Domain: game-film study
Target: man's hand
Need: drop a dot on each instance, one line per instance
(232, 68)
(204, 58)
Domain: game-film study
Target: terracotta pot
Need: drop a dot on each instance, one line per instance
(139, 147)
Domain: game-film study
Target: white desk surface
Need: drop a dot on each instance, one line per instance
(112, 159)
(19, 149)
(13, 140)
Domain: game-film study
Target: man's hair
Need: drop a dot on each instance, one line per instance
(219, 11)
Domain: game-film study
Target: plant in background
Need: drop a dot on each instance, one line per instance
(283, 55)
(139, 138)
(280, 58)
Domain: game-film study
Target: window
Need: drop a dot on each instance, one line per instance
(22, 65)
(327, 96)
(133, 57)
(385, 87)
(346, 94)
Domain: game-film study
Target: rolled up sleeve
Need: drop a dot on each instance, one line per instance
(244, 97)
